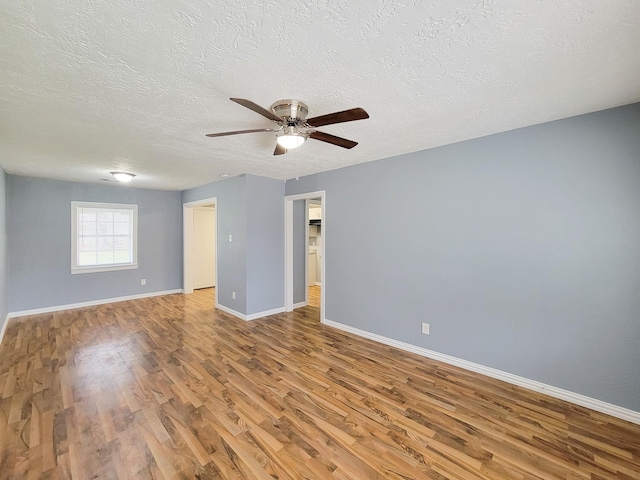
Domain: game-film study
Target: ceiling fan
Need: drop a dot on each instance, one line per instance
(293, 125)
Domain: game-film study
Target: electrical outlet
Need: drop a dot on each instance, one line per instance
(143, 281)
(233, 295)
(230, 238)
(425, 328)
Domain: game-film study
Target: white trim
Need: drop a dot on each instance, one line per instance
(4, 327)
(265, 313)
(187, 249)
(318, 284)
(231, 311)
(253, 316)
(69, 306)
(306, 251)
(300, 304)
(572, 397)
(107, 268)
(187, 243)
(305, 196)
(288, 256)
(288, 236)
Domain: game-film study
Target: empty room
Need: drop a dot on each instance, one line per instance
(322, 240)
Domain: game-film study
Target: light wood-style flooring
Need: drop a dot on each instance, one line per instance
(314, 296)
(168, 387)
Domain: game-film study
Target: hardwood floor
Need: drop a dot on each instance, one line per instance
(167, 387)
(314, 296)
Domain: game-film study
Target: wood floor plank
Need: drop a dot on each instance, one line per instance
(171, 388)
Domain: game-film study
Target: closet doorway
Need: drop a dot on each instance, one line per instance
(200, 245)
(204, 247)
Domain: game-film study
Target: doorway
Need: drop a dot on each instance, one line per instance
(314, 248)
(200, 268)
(204, 247)
(295, 250)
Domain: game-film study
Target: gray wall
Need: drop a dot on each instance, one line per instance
(251, 209)
(300, 250)
(4, 288)
(520, 249)
(39, 244)
(231, 215)
(265, 242)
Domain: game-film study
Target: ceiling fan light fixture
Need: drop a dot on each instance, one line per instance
(290, 138)
(123, 177)
(289, 141)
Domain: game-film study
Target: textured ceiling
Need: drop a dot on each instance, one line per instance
(92, 86)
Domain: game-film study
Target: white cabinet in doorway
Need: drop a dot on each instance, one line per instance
(315, 213)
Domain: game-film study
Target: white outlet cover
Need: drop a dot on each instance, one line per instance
(425, 328)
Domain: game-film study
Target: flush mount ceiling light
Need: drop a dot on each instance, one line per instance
(290, 138)
(123, 177)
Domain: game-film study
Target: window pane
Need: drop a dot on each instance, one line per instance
(122, 243)
(120, 228)
(87, 217)
(105, 258)
(121, 216)
(105, 244)
(105, 228)
(87, 258)
(105, 216)
(87, 244)
(87, 228)
(122, 256)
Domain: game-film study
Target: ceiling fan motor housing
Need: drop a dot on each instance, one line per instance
(291, 110)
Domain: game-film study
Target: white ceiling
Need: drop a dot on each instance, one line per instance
(92, 86)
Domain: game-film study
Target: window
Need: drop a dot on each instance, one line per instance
(103, 237)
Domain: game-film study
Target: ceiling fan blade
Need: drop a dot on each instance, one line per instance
(257, 108)
(325, 137)
(237, 132)
(338, 117)
(279, 149)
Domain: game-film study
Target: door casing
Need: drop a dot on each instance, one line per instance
(288, 257)
(187, 242)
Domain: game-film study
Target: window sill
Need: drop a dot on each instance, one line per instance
(106, 268)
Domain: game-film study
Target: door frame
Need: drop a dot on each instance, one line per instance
(288, 254)
(209, 209)
(187, 242)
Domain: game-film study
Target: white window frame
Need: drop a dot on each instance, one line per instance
(77, 269)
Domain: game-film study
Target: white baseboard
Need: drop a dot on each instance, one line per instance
(576, 398)
(252, 316)
(4, 327)
(57, 308)
(266, 313)
(300, 304)
(231, 311)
